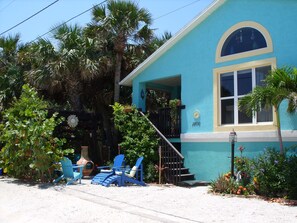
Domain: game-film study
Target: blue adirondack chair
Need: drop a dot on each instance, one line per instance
(71, 173)
(121, 178)
(106, 171)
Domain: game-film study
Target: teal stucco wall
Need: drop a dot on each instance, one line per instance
(193, 58)
(208, 160)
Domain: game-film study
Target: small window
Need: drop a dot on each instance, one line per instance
(243, 40)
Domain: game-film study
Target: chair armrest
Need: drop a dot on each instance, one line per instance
(122, 170)
(102, 167)
(76, 167)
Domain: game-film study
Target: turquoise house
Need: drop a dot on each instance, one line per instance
(213, 61)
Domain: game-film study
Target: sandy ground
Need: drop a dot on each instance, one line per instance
(24, 203)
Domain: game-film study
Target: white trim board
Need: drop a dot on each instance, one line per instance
(267, 136)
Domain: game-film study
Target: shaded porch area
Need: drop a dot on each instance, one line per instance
(161, 99)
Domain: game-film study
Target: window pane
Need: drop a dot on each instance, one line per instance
(244, 81)
(261, 73)
(243, 118)
(227, 84)
(227, 111)
(265, 115)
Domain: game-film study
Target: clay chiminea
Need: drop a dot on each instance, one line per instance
(86, 161)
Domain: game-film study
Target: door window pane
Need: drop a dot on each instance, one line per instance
(227, 84)
(227, 111)
(244, 82)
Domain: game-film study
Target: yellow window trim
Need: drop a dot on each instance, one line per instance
(216, 86)
(237, 26)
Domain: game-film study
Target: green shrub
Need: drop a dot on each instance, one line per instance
(291, 176)
(139, 138)
(274, 175)
(30, 150)
(269, 172)
(151, 173)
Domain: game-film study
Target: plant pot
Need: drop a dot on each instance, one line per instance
(127, 109)
(86, 161)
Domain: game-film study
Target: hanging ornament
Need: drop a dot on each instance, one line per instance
(72, 121)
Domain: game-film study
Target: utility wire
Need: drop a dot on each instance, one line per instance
(87, 11)
(176, 9)
(102, 3)
(29, 17)
(68, 20)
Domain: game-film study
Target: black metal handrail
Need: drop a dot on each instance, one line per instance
(171, 158)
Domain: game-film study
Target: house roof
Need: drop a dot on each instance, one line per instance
(127, 81)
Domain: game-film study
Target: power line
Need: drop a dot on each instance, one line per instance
(68, 20)
(84, 13)
(29, 17)
(177, 9)
(102, 3)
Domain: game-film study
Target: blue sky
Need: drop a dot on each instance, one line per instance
(181, 12)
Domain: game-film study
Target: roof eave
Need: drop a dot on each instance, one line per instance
(127, 81)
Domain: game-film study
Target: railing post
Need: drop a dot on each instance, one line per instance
(160, 163)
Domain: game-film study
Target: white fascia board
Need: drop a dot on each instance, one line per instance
(127, 81)
(259, 136)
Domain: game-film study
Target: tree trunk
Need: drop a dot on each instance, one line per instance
(117, 76)
(279, 132)
(74, 91)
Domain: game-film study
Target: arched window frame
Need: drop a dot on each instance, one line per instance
(237, 26)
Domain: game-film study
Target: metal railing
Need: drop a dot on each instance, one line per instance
(171, 158)
(168, 125)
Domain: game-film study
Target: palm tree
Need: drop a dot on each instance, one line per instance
(281, 84)
(66, 68)
(125, 23)
(11, 69)
(135, 54)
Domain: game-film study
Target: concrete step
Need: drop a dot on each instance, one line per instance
(186, 177)
(193, 183)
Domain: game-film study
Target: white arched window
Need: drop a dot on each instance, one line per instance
(244, 39)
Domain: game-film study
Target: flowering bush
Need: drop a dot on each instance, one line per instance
(271, 174)
(243, 168)
(275, 174)
(226, 184)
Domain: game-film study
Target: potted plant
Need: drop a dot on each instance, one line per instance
(174, 104)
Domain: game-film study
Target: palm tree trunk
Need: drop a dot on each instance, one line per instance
(117, 76)
(74, 90)
(279, 132)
